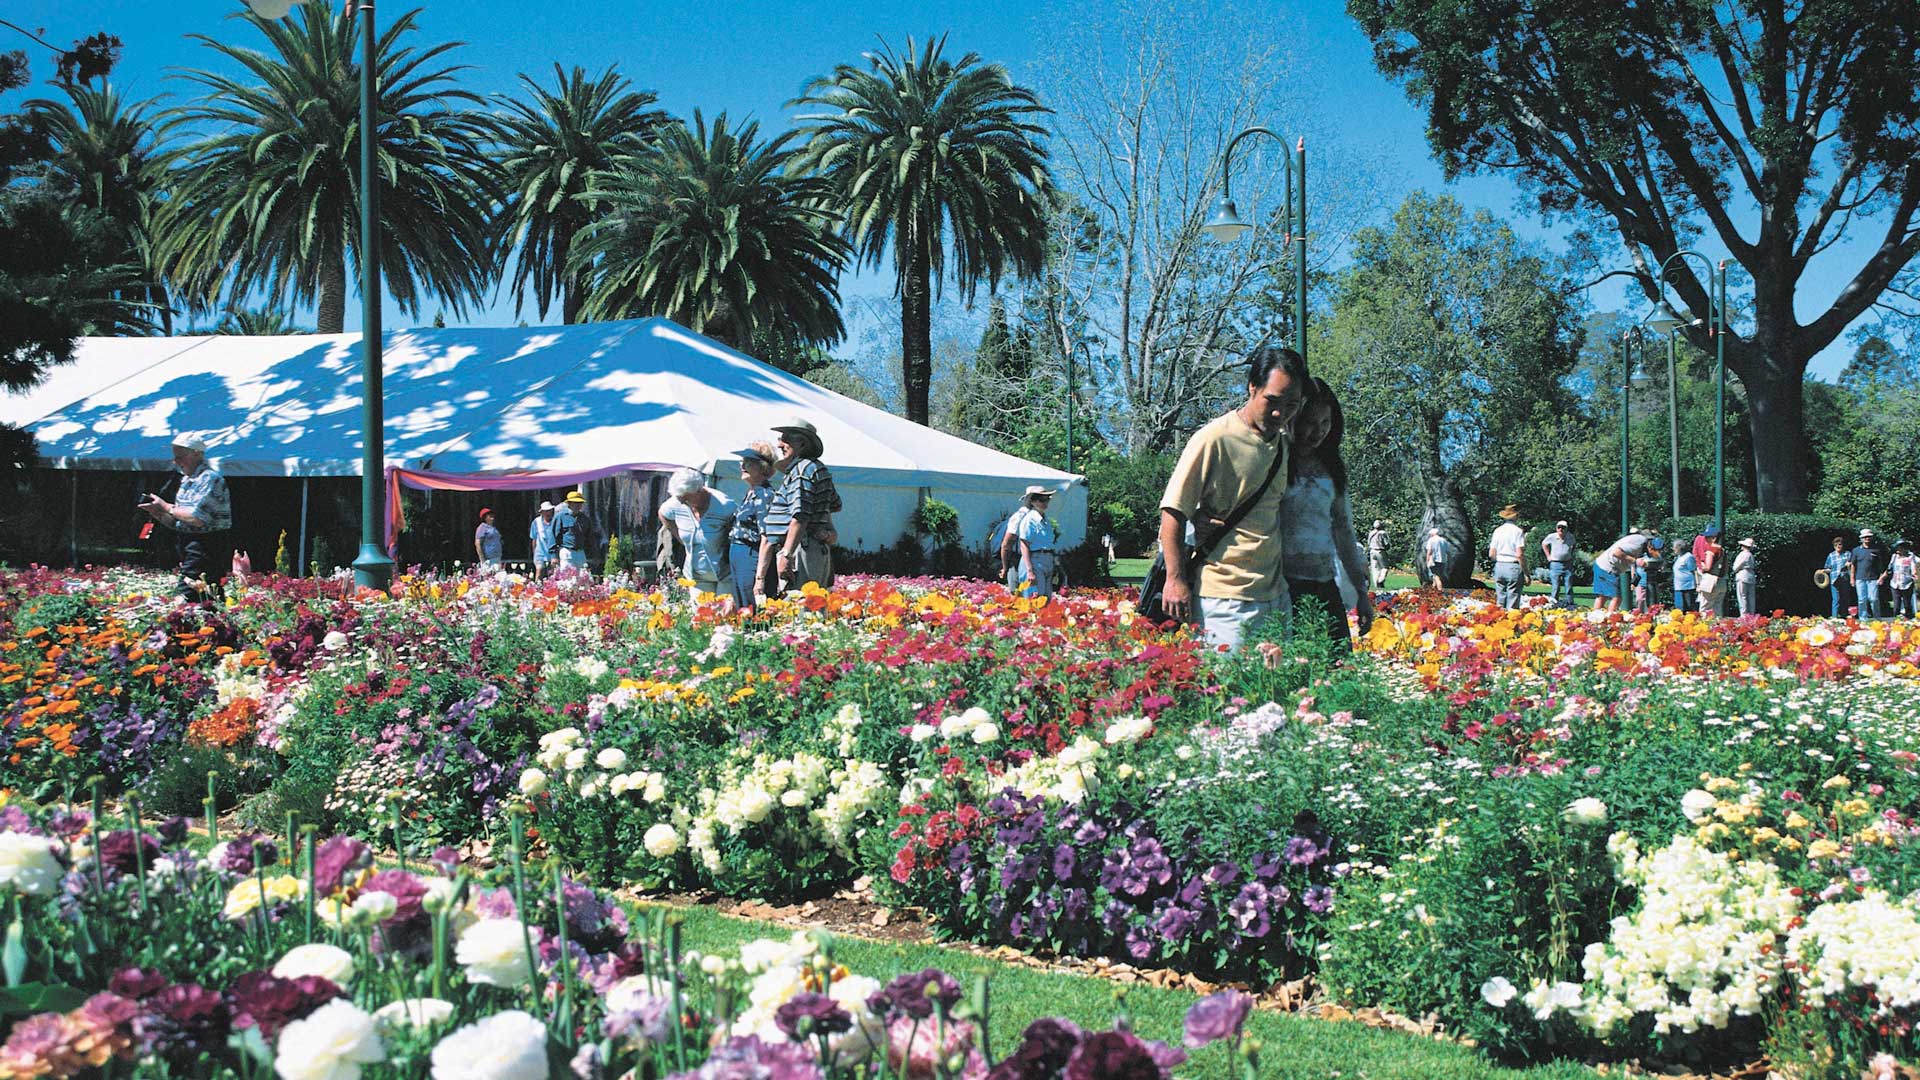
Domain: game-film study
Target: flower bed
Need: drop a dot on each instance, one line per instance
(1489, 817)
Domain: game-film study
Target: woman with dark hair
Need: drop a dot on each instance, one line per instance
(1316, 523)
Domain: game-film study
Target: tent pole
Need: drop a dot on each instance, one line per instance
(73, 518)
(300, 568)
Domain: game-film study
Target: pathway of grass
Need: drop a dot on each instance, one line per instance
(1294, 1047)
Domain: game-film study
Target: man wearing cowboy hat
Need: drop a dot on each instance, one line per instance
(573, 531)
(544, 538)
(1507, 549)
(1866, 571)
(743, 552)
(798, 535)
(1038, 541)
(201, 516)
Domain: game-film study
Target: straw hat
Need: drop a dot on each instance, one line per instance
(1510, 511)
(1040, 491)
(1748, 542)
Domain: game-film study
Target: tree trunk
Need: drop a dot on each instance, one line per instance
(1777, 416)
(332, 314)
(1443, 509)
(916, 334)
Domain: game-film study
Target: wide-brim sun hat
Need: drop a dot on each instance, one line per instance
(575, 496)
(1749, 542)
(1510, 511)
(1903, 542)
(800, 426)
(1040, 491)
(187, 440)
(546, 506)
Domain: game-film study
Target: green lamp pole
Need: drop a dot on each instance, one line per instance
(372, 569)
(1225, 222)
(1717, 329)
(1626, 428)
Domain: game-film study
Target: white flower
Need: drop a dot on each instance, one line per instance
(438, 896)
(505, 1046)
(986, 733)
(1128, 729)
(334, 640)
(413, 1013)
(662, 841)
(373, 907)
(576, 759)
(327, 961)
(1584, 811)
(1497, 991)
(612, 759)
(532, 782)
(494, 952)
(28, 865)
(1696, 804)
(755, 804)
(330, 1044)
(922, 732)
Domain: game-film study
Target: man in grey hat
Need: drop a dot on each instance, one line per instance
(1867, 569)
(798, 534)
(1006, 539)
(1039, 544)
(201, 516)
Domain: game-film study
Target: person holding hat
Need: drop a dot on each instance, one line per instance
(1039, 542)
(743, 551)
(1838, 570)
(1507, 548)
(1902, 570)
(1746, 577)
(1558, 548)
(1710, 570)
(1377, 555)
(702, 520)
(798, 536)
(543, 536)
(1866, 571)
(201, 516)
(487, 547)
(1006, 540)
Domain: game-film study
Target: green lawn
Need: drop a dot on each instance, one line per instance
(1294, 1046)
(1131, 571)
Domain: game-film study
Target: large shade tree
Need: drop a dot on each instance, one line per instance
(106, 156)
(709, 227)
(267, 199)
(1779, 127)
(940, 162)
(555, 145)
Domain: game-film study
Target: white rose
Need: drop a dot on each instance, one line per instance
(612, 759)
(505, 1046)
(1584, 811)
(922, 732)
(414, 1013)
(986, 733)
(330, 1044)
(662, 841)
(1497, 991)
(28, 864)
(576, 759)
(1696, 804)
(976, 716)
(494, 952)
(532, 783)
(327, 961)
(793, 797)
(755, 805)
(334, 640)
(374, 907)
(656, 790)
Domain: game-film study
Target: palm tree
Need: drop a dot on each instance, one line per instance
(710, 228)
(553, 149)
(107, 158)
(269, 198)
(924, 153)
(257, 322)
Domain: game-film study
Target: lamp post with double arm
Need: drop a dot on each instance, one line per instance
(1225, 222)
(1716, 323)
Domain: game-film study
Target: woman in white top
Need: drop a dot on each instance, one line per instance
(1746, 577)
(1316, 524)
(1613, 569)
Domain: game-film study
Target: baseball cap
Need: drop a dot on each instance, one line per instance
(187, 440)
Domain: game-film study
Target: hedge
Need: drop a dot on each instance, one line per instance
(1790, 548)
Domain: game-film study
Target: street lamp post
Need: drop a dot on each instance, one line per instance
(372, 569)
(1717, 329)
(1627, 340)
(1670, 328)
(1225, 222)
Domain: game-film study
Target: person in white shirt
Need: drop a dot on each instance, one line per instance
(1039, 544)
(1558, 548)
(702, 519)
(1507, 549)
(1435, 552)
(1902, 570)
(1613, 569)
(1377, 555)
(1746, 577)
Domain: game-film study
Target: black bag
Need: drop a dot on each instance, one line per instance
(1207, 536)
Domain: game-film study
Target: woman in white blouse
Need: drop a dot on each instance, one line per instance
(1746, 577)
(1316, 523)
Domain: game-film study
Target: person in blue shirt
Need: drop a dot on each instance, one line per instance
(1685, 586)
(1039, 544)
(1839, 587)
(544, 538)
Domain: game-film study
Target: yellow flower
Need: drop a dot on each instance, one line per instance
(1795, 821)
(251, 893)
(1855, 807)
(1837, 782)
(1764, 835)
(1720, 783)
(1822, 849)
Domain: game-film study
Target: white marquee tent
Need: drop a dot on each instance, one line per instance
(507, 401)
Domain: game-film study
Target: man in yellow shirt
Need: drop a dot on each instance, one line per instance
(1224, 464)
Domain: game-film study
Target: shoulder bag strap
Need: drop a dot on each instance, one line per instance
(1232, 520)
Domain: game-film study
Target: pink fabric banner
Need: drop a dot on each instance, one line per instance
(423, 479)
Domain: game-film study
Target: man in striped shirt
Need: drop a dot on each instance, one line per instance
(797, 531)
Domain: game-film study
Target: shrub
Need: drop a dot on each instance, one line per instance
(282, 559)
(1791, 548)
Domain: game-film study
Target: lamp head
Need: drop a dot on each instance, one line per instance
(271, 9)
(1225, 222)
(1665, 325)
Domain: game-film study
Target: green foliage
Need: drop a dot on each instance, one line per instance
(714, 229)
(917, 147)
(178, 783)
(938, 520)
(619, 556)
(1790, 547)
(267, 200)
(322, 564)
(282, 558)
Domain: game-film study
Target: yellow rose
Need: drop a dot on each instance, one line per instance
(1795, 821)
(253, 892)
(1822, 849)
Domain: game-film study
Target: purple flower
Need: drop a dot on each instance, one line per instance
(748, 1058)
(1121, 1055)
(1076, 904)
(1248, 912)
(1140, 943)
(186, 1019)
(1174, 922)
(1064, 862)
(268, 1002)
(494, 904)
(1217, 1016)
(909, 995)
(1045, 1048)
(1222, 874)
(1318, 899)
(650, 1019)
(408, 893)
(117, 851)
(807, 1014)
(335, 859)
(173, 831)
(136, 984)
(14, 819)
(444, 859)
(1090, 832)
(1301, 851)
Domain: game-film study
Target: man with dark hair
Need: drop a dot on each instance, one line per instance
(1227, 470)
(201, 515)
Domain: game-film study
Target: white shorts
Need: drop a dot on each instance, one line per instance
(1226, 622)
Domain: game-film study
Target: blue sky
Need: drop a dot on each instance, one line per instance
(749, 57)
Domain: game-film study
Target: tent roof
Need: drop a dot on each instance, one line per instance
(563, 398)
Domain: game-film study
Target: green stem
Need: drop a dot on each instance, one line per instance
(563, 1009)
(522, 909)
(139, 856)
(213, 808)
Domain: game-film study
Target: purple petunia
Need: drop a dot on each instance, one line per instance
(1217, 1016)
(1318, 899)
(1248, 912)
